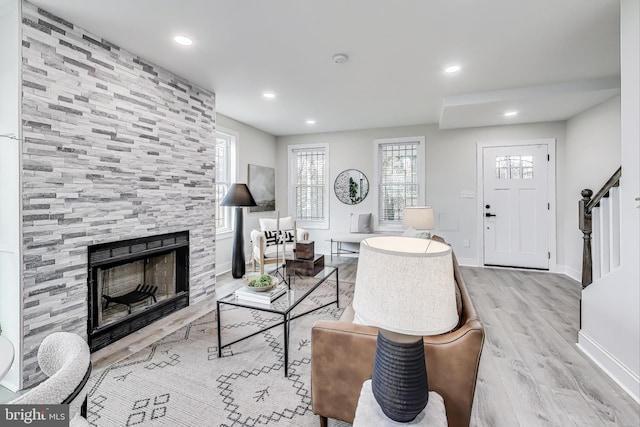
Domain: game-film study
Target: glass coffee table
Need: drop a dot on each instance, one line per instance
(282, 305)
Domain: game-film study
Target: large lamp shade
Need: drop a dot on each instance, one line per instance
(404, 286)
(238, 196)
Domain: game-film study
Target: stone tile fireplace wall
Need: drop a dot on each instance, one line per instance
(114, 148)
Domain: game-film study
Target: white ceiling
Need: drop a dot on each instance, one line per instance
(548, 59)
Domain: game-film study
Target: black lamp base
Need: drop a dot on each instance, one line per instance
(399, 381)
(238, 266)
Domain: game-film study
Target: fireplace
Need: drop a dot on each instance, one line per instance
(133, 283)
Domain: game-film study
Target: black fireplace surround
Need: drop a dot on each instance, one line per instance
(143, 251)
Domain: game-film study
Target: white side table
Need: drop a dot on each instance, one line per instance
(369, 413)
(6, 356)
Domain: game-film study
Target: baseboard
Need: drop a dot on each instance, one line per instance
(622, 375)
(468, 262)
(222, 268)
(570, 271)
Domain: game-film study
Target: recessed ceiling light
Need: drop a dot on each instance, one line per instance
(183, 40)
(452, 69)
(510, 113)
(311, 122)
(269, 95)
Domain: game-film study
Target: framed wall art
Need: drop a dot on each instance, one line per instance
(262, 184)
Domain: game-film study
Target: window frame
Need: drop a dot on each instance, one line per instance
(377, 176)
(227, 231)
(291, 184)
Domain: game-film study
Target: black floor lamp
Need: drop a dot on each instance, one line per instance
(238, 196)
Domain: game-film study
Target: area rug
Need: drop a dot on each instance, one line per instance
(180, 381)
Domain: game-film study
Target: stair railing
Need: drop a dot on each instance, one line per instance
(585, 211)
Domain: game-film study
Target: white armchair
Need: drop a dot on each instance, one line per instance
(269, 248)
(65, 358)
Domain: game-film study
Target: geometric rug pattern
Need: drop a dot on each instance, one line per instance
(180, 381)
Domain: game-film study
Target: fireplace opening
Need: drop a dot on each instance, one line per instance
(133, 283)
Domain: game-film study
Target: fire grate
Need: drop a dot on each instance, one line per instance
(140, 293)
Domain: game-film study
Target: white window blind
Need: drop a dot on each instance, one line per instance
(308, 185)
(400, 177)
(225, 176)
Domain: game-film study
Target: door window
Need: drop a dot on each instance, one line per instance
(514, 167)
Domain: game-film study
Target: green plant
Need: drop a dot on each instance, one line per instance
(261, 282)
(353, 191)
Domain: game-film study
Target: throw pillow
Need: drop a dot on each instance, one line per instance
(272, 237)
(286, 236)
(361, 223)
(270, 224)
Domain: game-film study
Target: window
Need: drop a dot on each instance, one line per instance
(399, 176)
(225, 162)
(308, 184)
(514, 167)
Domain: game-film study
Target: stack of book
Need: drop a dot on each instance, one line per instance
(246, 294)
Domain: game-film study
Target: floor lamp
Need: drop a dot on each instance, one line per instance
(238, 196)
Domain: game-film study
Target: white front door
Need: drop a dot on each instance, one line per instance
(516, 206)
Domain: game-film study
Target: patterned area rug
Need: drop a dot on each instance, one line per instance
(180, 381)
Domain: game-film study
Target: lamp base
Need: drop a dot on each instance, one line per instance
(238, 267)
(399, 380)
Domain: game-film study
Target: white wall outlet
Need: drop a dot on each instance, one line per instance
(467, 243)
(467, 194)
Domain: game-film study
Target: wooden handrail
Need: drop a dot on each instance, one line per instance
(614, 181)
(585, 206)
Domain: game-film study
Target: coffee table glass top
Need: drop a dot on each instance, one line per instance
(287, 301)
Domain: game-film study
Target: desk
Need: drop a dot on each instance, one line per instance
(368, 412)
(6, 356)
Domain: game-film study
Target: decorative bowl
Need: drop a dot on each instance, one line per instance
(247, 279)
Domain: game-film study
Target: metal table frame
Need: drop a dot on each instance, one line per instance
(286, 314)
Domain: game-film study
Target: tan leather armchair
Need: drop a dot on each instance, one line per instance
(342, 356)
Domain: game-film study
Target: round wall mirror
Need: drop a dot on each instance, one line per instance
(351, 186)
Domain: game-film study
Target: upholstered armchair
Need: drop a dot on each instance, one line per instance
(270, 245)
(65, 359)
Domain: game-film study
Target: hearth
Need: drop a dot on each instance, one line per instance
(133, 283)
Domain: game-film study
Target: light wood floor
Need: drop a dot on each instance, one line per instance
(531, 372)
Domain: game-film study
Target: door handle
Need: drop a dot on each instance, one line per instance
(489, 215)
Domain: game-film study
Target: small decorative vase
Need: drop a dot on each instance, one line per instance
(399, 380)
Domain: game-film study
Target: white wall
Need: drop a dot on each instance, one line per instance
(10, 287)
(257, 148)
(9, 54)
(592, 155)
(450, 168)
(610, 332)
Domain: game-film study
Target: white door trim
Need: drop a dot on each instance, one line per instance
(551, 182)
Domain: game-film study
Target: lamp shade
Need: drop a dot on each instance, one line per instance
(405, 285)
(238, 195)
(418, 217)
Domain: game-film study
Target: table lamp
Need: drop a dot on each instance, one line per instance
(238, 196)
(405, 287)
(419, 218)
